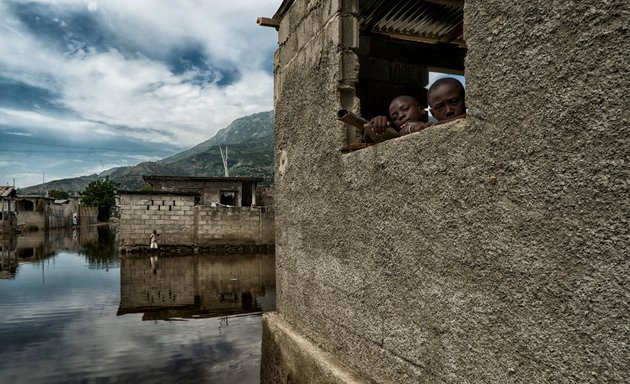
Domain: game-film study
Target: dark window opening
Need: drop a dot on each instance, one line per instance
(228, 198)
(25, 206)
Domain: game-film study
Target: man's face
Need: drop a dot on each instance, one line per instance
(447, 100)
(403, 109)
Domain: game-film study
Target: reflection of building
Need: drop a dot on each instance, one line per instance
(8, 257)
(197, 285)
(36, 246)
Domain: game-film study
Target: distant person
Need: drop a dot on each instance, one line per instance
(447, 98)
(153, 238)
(406, 115)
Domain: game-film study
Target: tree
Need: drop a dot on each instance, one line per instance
(59, 195)
(101, 194)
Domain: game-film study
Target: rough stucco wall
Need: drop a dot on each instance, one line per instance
(493, 250)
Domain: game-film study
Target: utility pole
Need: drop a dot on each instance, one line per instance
(225, 163)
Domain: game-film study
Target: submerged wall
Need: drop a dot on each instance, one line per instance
(492, 250)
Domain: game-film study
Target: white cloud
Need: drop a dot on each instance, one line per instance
(140, 93)
(102, 94)
(92, 6)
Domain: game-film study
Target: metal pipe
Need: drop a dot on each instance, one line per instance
(352, 119)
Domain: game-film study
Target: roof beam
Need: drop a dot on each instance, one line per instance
(450, 3)
(420, 39)
(267, 22)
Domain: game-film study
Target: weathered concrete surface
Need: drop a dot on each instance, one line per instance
(288, 357)
(488, 251)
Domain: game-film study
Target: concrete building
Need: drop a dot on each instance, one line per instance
(184, 221)
(44, 212)
(489, 250)
(233, 191)
(8, 216)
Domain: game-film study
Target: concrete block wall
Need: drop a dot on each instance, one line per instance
(491, 250)
(239, 224)
(180, 222)
(210, 192)
(172, 216)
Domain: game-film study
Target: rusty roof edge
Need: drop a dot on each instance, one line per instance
(284, 7)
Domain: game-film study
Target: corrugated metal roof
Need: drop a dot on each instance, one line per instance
(6, 191)
(429, 21)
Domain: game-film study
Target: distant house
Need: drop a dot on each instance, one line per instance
(231, 191)
(195, 212)
(8, 217)
(44, 212)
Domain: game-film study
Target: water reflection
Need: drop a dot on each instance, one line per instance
(62, 297)
(35, 247)
(101, 252)
(196, 286)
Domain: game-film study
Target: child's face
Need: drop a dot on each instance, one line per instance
(403, 109)
(447, 101)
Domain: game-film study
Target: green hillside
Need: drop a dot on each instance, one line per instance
(250, 153)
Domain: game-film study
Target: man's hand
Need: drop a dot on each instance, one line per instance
(379, 129)
(413, 126)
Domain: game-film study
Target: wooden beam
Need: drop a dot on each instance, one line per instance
(420, 39)
(450, 3)
(267, 22)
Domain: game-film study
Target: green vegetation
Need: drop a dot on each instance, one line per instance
(101, 194)
(58, 195)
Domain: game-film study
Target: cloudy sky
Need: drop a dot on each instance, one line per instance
(87, 85)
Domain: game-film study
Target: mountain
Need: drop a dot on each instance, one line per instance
(250, 153)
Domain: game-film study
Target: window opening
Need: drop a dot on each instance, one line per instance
(401, 59)
(228, 198)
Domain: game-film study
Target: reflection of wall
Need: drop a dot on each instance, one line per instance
(224, 277)
(8, 257)
(180, 222)
(217, 284)
(34, 246)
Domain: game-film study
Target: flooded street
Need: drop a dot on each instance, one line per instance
(72, 310)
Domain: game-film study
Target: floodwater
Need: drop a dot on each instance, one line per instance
(73, 311)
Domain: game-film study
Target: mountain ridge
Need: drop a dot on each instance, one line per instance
(250, 144)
